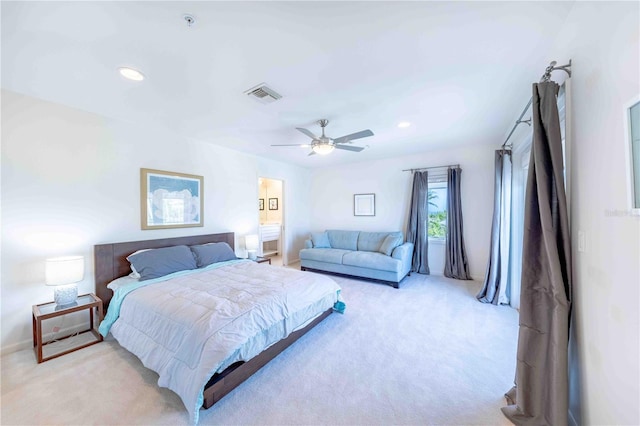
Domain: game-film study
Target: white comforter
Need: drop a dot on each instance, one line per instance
(190, 327)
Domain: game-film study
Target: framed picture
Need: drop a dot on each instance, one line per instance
(170, 200)
(364, 204)
(273, 204)
(261, 203)
(632, 124)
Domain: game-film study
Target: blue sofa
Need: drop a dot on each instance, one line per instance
(379, 256)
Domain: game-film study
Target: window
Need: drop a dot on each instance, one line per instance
(437, 207)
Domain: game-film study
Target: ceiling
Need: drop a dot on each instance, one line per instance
(460, 72)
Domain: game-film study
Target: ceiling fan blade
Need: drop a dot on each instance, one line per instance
(352, 136)
(311, 153)
(307, 132)
(295, 144)
(350, 148)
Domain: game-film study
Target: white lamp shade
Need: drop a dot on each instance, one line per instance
(251, 242)
(64, 270)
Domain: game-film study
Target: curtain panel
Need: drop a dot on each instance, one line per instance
(497, 278)
(540, 395)
(417, 232)
(455, 265)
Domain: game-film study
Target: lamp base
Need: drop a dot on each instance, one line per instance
(252, 254)
(65, 294)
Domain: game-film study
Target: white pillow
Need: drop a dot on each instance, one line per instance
(121, 282)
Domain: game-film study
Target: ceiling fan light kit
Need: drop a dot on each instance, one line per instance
(324, 145)
(322, 149)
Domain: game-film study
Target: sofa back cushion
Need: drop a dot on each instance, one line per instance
(372, 241)
(320, 240)
(345, 240)
(392, 241)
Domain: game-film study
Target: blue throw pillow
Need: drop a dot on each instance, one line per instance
(206, 254)
(320, 240)
(163, 261)
(389, 243)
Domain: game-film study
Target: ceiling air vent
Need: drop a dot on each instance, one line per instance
(262, 93)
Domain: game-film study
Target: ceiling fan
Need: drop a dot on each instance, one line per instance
(323, 145)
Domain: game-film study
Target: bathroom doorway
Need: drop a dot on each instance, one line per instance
(271, 231)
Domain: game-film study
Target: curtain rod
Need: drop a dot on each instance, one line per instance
(545, 77)
(428, 168)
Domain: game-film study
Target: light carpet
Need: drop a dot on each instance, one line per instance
(428, 353)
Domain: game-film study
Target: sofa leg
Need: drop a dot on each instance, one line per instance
(396, 285)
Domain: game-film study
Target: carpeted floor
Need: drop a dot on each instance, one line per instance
(428, 353)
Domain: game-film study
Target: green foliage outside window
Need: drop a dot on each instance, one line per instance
(437, 226)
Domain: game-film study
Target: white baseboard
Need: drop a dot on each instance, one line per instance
(441, 274)
(15, 347)
(26, 344)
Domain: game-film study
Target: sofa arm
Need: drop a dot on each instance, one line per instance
(404, 252)
(308, 244)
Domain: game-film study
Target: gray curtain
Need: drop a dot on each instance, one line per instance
(417, 224)
(455, 264)
(496, 280)
(540, 396)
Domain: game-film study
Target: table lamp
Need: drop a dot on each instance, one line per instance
(64, 273)
(251, 243)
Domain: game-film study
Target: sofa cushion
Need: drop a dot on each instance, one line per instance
(372, 241)
(323, 255)
(371, 260)
(345, 240)
(320, 240)
(390, 242)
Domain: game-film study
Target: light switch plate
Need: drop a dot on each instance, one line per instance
(582, 242)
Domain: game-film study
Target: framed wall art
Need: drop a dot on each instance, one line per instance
(273, 204)
(170, 199)
(364, 204)
(261, 203)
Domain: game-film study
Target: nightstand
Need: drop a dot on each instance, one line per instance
(64, 345)
(260, 259)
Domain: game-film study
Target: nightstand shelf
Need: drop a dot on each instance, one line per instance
(46, 350)
(261, 259)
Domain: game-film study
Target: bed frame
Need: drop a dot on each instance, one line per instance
(110, 263)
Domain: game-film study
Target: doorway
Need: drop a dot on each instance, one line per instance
(271, 229)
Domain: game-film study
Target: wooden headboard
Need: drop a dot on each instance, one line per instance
(110, 260)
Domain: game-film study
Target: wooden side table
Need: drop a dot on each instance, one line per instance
(261, 259)
(50, 310)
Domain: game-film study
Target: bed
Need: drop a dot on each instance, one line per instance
(279, 285)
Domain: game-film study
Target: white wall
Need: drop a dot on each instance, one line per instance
(70, 179)
(603, 41)
(333, 189)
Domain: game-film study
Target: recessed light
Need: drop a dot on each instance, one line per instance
(404, 124)
(131, 74)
